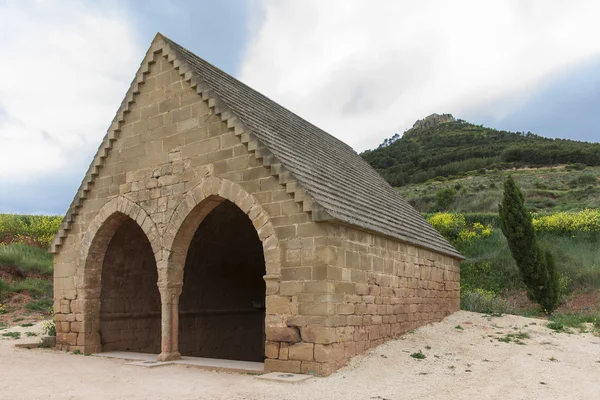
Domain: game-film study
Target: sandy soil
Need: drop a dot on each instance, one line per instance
(460, 364)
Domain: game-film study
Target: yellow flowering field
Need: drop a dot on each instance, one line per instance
(455, 227)
(585, 221)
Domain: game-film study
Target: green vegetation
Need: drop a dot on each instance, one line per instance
(483, 301)
(537, 267)
(37, 288)
(3, 291)
(455, 228)
(454, 172)
(40, 291)
(36, 230)
(41, 305)
(490, 266)
(49, 325)
(27, 259)
(516, 338)
(418, 355)
(546, 190)
(453, 149)
(564, 321)
(14, 335)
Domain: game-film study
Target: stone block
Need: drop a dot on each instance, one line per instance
(329, 352)
(318, 334)
(345, 308)
(272, 349)
(282, 334)
(284, 351)
(290, 366)
(291, 288)
(301, 351)
(278, 304)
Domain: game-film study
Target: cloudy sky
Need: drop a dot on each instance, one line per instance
(361, 70)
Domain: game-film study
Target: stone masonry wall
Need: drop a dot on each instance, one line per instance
(331, 291)
(380, 288)
(170, 143)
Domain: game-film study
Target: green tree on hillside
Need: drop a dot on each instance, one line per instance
(536, 266)
(444, 198)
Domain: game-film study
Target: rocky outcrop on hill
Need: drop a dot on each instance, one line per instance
(433, 120)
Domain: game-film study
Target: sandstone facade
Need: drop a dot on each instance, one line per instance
(183, 240)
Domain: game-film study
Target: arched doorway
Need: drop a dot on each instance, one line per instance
(130, 305)
(222, 305)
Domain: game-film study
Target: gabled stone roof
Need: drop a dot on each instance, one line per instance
(334, 181)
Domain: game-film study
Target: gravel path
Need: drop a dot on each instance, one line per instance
(460, 364)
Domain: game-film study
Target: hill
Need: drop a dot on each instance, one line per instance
(546, 189)
(441, 146)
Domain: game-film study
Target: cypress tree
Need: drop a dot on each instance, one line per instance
(537, 267)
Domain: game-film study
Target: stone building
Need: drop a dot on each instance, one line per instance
(213, 222)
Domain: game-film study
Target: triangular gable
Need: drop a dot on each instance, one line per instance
(324, 174)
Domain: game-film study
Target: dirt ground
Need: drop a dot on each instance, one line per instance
(468, 363)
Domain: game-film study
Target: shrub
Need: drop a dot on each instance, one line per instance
(33, 229)
(454, 228)
(569, 223)
(49, 326)
(575, 167)
(483, 301)
(537, 267)
(585, 179)
(449, 225)
(444, 197)
(485, 218)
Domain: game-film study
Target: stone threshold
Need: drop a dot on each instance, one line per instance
(146, 360)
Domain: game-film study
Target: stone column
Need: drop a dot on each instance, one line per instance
(170, 323)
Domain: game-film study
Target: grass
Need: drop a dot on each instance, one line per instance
(26, 325)
(42, 305)
(418, 355)
(14, 335)
(490, 266)
(516, 338)
(28, 259)
(564, 322)
(29, 334)
(37, 288)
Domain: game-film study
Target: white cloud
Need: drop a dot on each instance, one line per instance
(363, 70)
(65, 68)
